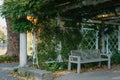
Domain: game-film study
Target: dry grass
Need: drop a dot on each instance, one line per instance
(15, 75)
(61, 73)
(96, 68)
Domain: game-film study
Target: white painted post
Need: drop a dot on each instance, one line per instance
(78, 65)
(109, 61)
(58, 20)
(103, 44)
(35, 57)
(81, 28)
(69, 64)
(59, 45)
(107, 43)
(119, 39)
(23, 49)
(96, 40)
(34, 48)
(59, 48)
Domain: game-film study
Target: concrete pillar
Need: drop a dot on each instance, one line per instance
(23, 49)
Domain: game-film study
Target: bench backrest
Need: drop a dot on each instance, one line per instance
(86, 54)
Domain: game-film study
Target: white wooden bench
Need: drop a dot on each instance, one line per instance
(86, 56)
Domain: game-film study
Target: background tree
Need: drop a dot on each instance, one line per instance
(14, 16)
(12, 40)
(3, 37)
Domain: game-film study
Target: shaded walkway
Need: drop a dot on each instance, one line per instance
(112, 74)
(6, 69)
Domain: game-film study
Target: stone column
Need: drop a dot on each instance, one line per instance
(23, 49)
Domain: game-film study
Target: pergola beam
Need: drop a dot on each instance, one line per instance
(95, 22)
(81, 3)
(73, 6)
(101, 22)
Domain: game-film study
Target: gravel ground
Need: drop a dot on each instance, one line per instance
(4, 75)
(6, 69)
(112, 74)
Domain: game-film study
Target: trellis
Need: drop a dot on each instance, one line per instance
(89, 39)
(113, 42)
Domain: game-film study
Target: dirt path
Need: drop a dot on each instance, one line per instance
(112, 74)
(104, 74)
(6, 69)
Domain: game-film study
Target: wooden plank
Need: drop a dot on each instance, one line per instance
(101, 22)
(94, 60)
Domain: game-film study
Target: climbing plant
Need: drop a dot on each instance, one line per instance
(51, 35)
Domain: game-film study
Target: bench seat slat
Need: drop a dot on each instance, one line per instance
(94, 60)
(88, 61)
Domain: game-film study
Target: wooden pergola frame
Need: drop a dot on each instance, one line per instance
(79, 7)
(109, 15)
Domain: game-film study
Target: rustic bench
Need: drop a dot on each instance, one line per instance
(86, 56)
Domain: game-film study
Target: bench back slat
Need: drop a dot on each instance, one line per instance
(86, 54)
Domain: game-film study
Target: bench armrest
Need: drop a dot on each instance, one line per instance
(74, 58)
(103, 55)
(106, 55)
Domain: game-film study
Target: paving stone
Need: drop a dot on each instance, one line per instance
(37, 73)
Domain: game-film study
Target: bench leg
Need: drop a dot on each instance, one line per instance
(78, 67)
(99, 64)
(109, 64)
(69, 66)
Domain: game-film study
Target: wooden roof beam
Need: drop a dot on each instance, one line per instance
(101, 22)
(93, 2)
(81, 3)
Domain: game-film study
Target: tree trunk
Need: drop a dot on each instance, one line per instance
(13, 40)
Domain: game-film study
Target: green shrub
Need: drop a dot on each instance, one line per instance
(8, 59)
(56, 66)
(115, 59)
